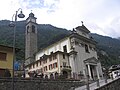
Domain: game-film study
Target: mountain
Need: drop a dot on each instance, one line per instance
(108, 48)
(47, 34)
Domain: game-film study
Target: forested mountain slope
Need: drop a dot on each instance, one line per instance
(48, 34)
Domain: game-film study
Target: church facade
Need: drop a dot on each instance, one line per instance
(74, 56)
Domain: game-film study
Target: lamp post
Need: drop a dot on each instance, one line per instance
(13, 24)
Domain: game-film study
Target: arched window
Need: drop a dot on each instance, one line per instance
(27, 29)
(33, 28)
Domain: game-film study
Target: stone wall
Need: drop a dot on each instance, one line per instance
(38, 84)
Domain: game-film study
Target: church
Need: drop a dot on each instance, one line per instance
(74, 56)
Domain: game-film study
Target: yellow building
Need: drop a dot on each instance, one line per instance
(6, 59)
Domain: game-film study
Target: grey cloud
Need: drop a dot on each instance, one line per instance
(51, 7)
(34, 4)
(114, 28)
(50, 11)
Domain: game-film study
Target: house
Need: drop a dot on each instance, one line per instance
(6, 60)
(73, 56)
(114, 71)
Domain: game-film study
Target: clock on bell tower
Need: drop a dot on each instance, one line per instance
(31, 39)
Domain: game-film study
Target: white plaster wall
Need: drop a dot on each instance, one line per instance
(59, 61)
(55, 47)
(43, 65)
(72, 63)
(82, 55)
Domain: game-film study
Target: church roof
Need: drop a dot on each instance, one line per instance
(31, 15)
(70, 35)
(82, 28)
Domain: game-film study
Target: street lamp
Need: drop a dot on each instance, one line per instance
(13, 24)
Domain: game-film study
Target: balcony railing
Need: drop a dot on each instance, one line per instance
(65, 67)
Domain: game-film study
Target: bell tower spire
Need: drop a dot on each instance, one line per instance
(31, 39)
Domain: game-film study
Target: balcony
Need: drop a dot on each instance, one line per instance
(65, 68)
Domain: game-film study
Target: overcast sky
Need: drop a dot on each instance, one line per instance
(99, 16)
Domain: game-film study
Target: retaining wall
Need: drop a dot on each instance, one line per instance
(38, 84)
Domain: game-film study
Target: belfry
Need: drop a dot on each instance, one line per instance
(31, 39)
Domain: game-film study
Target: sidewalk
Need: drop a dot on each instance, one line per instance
(94, 85)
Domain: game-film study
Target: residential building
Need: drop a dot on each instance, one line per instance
(6, 59)
(114, 71)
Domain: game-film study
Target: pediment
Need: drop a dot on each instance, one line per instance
(91, 60)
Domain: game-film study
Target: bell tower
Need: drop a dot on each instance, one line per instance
(31, 39)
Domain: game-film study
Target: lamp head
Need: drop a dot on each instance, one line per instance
(12, 24)
(21, 15)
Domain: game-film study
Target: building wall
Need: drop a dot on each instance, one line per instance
(8, 63)
(59, 60)
(83, 55)
(31, 40)
(54, 48)
(82, 33)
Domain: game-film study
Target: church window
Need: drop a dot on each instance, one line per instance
(65, 48)
(86, 48)
(33, 28)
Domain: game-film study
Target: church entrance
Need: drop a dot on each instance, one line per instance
(93, 72)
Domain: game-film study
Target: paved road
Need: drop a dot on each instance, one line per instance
(94, 85)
